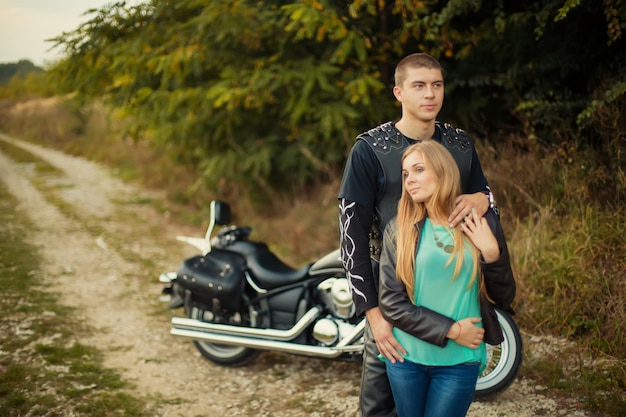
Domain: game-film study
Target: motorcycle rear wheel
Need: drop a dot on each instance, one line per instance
(503, 360)
(224, 355)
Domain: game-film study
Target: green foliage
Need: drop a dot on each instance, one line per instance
(222, 83)
(214, 82)
(20, 69)
(35, 84)
(24, 79)
(573, 274)
(530, 68)
(265, 94)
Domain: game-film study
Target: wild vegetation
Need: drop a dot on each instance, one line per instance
(259, 105)
(269, 96)
(18, 69)
(23, 78)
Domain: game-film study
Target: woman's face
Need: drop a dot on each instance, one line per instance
(418, 177)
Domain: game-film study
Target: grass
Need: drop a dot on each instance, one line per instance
(596, 382)
(567, 243)
(44, 369)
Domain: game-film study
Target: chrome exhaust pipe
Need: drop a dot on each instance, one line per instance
(259, 338)
(225, 329)
(262, 344)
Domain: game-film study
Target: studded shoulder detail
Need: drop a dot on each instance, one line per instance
(380, 136)
(454, 137)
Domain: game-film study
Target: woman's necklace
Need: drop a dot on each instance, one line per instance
(446, 248)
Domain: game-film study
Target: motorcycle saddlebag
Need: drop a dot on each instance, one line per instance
(217, 275)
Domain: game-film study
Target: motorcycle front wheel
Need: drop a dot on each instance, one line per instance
(224, 355)
(503, 360)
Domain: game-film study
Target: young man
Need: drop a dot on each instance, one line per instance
(368, 199)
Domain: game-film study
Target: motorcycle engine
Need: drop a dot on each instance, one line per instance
(337, 298)
(330, 330)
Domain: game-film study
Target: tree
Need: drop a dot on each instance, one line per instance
(21, 69)
(269, 95)
(223, 85)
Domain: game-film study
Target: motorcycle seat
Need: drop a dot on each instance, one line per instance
(268, 270)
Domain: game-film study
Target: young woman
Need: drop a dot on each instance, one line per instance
(433, 280)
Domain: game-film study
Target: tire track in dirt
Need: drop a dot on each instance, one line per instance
(113, 294)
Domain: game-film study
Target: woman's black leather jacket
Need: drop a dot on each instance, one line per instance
(426, 324)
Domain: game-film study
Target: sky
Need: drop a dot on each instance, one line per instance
(26, 24)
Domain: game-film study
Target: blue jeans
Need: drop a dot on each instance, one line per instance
(432, 391)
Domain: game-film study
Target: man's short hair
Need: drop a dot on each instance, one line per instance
(417, 60)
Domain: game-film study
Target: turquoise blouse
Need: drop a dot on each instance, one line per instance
(436, 289)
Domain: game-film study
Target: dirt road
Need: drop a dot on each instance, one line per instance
(102, 250)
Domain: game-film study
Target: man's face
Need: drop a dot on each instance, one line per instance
(421, 93)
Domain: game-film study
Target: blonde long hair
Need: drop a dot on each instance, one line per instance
(446, 174)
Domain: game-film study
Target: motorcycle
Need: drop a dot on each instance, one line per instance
(240, 299)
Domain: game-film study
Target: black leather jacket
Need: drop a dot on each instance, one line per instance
(427, 324)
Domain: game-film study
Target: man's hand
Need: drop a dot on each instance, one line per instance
(465, 203)
(387, 345)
